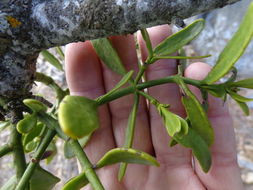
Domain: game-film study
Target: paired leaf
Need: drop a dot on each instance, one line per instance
(35, 105)
(199, 148)
(76, 183)
(108, 55)
(35, 132)
(78, 116)
(25, 125)
(179, 39)
(52, 59)
(234, 49)
(127, 155)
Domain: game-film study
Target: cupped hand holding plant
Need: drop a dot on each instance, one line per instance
(86, 76)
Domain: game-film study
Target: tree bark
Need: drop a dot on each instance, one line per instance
(28, 26)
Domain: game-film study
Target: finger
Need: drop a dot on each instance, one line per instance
(176, 160)
(120, 109)
(83, 74)
(224, 173)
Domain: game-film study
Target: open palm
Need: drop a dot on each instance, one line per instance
(86, 76)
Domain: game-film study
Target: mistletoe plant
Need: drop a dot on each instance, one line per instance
(74, 119)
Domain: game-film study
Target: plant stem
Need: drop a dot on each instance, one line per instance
(131, 89)
(86, 165)
(35, 160)
(5, 149)
(18, 152)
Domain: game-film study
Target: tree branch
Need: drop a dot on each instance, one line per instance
(28, 26)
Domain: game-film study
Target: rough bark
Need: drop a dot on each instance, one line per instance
(28, 26)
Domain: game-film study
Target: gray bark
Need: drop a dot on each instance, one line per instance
(28, 26)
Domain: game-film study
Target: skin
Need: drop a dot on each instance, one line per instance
(86, 76)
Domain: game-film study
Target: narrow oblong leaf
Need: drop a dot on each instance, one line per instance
(76, 183)
(127, 155)
(244, 107)
(60, 52)
(199, 148)
(123, 81)
(234, 49)
(197, 115)
(108, 55)
(52, 59)
(179, 39)
(238, 97)
(78, 116)
(246, 83)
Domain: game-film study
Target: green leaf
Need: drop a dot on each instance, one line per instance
(179, 39)
(238, 97)
(197, 115)
(199, 148)
(171, 121)
(25, 125)
(32, 145)
(234, 49)
(172, 142)
(68, 152)
(78, 116)
(10, 184)
(246, 83)
(52, 59)
(43, 180)
(127, 155)
(35, 132)
(60, 52)
(108, 55)
(123, 81)
(4, 125)
(217, 90)
(155, 58)
(76, 183)
(35, 105)
(244, 107)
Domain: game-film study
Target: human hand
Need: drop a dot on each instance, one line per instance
(86, 76)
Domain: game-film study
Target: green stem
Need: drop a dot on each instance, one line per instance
(18, 152)
(132, 89)
(140, 73)
(86, 165)
(129, 137)
(35, 159)
(5, 149)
